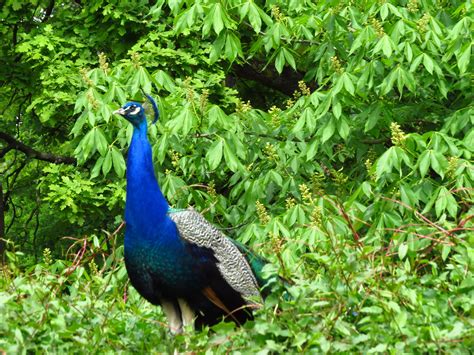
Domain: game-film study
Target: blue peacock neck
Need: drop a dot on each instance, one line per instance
(146, 207)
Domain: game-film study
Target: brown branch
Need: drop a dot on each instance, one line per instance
(13, 143)
(5, 150)
(349, 222)
(286, 82)
(15, 35)
(422, 217)
(11, 184)
(463, 222)
(376, 141)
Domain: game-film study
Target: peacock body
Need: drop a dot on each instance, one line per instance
(176, 258)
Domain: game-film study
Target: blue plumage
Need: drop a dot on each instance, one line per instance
(176, 258)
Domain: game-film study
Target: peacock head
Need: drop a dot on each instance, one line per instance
(134, 112)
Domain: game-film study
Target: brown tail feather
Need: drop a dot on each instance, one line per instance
(212, 296)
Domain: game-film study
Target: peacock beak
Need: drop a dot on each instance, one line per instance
(120, 112)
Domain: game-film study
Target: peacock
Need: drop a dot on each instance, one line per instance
(176, 258)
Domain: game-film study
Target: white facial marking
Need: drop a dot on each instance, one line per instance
(136, 111)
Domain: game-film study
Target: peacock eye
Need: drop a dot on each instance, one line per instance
(134, 109)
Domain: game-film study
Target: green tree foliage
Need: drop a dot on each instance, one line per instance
(334, 137)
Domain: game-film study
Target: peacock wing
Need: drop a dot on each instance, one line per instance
(232, 264)
(257, 263)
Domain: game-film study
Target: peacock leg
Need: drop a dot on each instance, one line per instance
(173, 315)
(187, 314)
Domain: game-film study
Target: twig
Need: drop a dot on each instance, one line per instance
(419, 215)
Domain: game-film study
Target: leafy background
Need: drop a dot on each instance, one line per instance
(333, 137)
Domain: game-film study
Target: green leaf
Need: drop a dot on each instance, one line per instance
(348, 85)
(289, 58)
(402, 250)
(424, 162)
(328, 130)
(336, 108)
(367, 189)
(244, 10)
(86, 147)
(441, 201)
(276, 177)
(300, 124)
(254, 17)
(373, 116)
(215, 18)
(434, 159)
(141, 79)
(464, 58)
(91, 118)
(446, 249)
(416, 63)
(230, 158)
(161, 147)
(392, 158)
(408, 51)
(107, 165)
(360, 39)
(163, 80)
(323, 108)
(385, 45)
(371, 310)
(118, 162)
(383, 11)
(100, 141)
(232, 46)
(388, 82)
(312, 149)
(380, 348)
(428, 63)
(97, 167)
(407, 196)
(452, 206)
(214, 154)
(217, 47)
(438, 162)
(339, 84)
(186, 19)
(280, 61)
(343, 128)
(184, 122)
(79, 124)
(401, 319)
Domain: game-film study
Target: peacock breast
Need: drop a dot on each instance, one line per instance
(161, 267)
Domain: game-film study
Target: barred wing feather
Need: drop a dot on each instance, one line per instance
(232, 265)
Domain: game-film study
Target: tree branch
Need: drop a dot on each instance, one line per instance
(5, 150)
(13, 143)
(286, 82)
